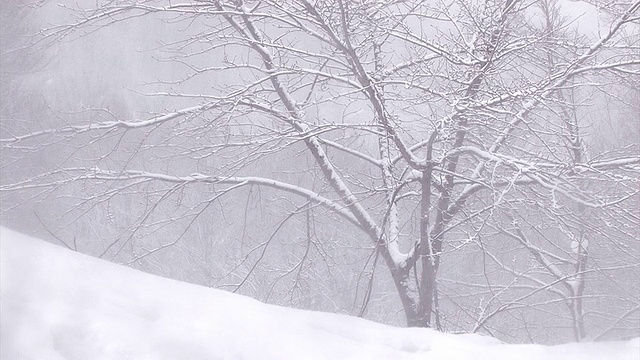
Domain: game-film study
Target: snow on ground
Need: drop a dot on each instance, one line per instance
(58, 304)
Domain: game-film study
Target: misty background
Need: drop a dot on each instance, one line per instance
(159, 135)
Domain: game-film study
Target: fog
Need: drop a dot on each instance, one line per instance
(465, 166)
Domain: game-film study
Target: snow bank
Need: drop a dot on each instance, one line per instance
(57, 304)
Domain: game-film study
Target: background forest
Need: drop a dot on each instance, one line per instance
(470, 166)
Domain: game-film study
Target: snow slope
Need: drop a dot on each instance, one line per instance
(57, 304)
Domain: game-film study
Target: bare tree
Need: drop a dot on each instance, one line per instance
(431, 127)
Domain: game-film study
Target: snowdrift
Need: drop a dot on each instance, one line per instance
(58, 304)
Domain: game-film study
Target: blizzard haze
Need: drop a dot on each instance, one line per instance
(459, 166)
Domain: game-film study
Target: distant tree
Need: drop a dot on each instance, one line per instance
(21, 56)
(18, 55)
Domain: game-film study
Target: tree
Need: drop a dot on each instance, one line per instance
(21, 56)
(427, 126)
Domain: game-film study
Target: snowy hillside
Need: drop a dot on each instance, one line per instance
(57, 304)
